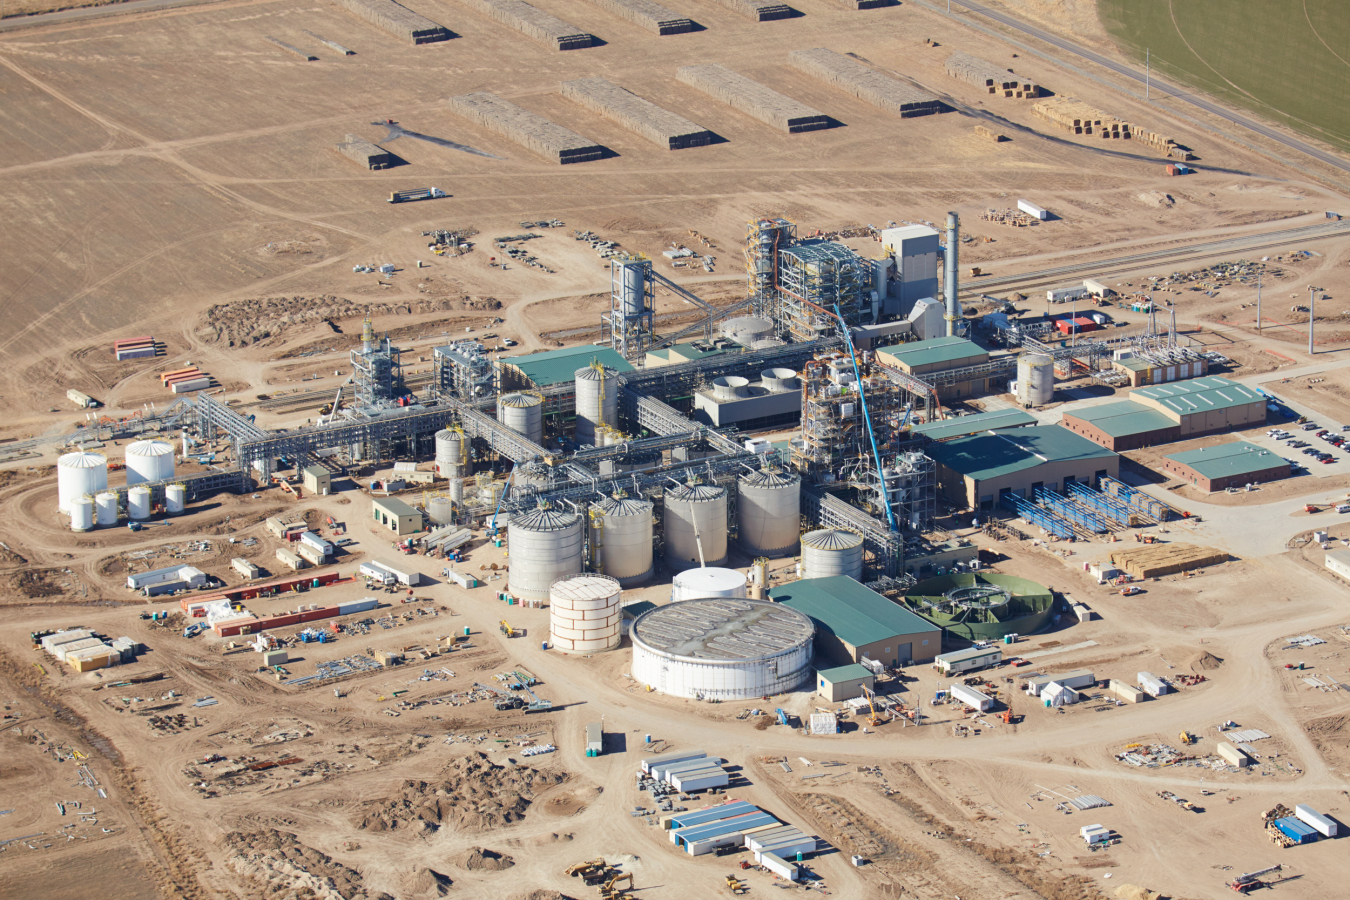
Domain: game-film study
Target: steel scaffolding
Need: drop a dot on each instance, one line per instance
(1037, 515)
(813, 278)
(1062, 507)
(1109, 506)
(834, 445)
(462, 370)
(632, 296)
(763, 240)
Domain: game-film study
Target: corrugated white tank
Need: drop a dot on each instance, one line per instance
(1035, 379)
(175, 499)
(457, 490)
(105, 508)
(440, 510)
(138, 502)
(768, 512)
(523, 414)
(722, 649)
(747, 329)
(766, 344)
(545, 546)
(778, 381)
(585, 614)
(710, 581)
(149, 461)
(82, 513)
(597, 401)
(449, 453)
(688, 506)
(621, 539)
(830, 552)
(80, 474)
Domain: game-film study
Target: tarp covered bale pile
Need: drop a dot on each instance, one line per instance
(363, 152)
(846, 73)
(973, 70)
(658, 125)
(649, 14)
(398, 20)
(1156, 560)
(528, 129)
(753, 98)
(534, 22)
(759, 10)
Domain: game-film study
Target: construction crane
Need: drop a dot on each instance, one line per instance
(875, 718)
(867, 417)
(504, 701)
(536, 703)
(1249, 881)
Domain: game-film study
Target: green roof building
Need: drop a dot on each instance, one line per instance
(853, 622)
(1227, 465)
(1183, 409)
(920, 358)
(964, 426)
(540, 370)
(977, 470)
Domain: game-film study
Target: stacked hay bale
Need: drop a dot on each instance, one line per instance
(397, 20)
(753, 98)
(364, 153)
(973, 70)
(534, 22)
(1076, 116)
(867, 4)
(293, 49)
(1157, 560)
(989, 134)
(759, 10)
(865, 83)
(657, 125)
(553, 142)
(650, 15)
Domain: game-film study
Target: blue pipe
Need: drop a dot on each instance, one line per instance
(867, 417)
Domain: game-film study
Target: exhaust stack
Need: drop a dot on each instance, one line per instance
(949, 281)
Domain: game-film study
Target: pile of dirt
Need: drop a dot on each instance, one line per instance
(541, 895)
(253, 321)
(1329, 734)
(553, 837)
(478, 859)
(424, 882)
(1135, 892)
(1156, 199)
(286, 867)
(474, 795)
(1205, 662)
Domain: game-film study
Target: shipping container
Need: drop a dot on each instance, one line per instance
(665, 771)
(1297, 831)
(1127, 692)
(700, 779)
(310, 553)
(244, 568)
(671, 757)
(779, 866)
(357, 606)
(187, 387)
(1096, 288)
(136, 353)
(1232, 754)
(459, 578)
(80, 399)
(167, 378)
(971, 697)
(232, 627)
(1032, 210)
(1324, 825)
(404, 573)
(323, 612)
(275, 658)
(1152, 684)
(122, 342)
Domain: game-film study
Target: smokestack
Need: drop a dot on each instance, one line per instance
(950, 278)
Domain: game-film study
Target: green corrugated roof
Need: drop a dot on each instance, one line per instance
(395, 506)
(1199, 394)
(691, 353)
(1124, 418)
(1135, 364)
(1236, 458)
(994, 454)
(986, 421)
(855, 614)
(851, 672)
(936, 350)
(557, 366)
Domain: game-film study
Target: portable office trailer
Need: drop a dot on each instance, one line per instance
(699, 779)
(1232, 754)
(1128, 692)
(1096, 288)
(311, 554)
(1094, 834)
(276, 526)
(960, 661)
(779, 866)
(595, 739)
(664, 771)
(405, 575)
(1032, 210)
(287, 558)
(1309, 816)
(971, 697)
(1297, 831)
(377, 572)
(1152, 684)
(244, 567)
(674, 756)
(318, 543)
(1077, 679)
(1064, 295)
(459, 578)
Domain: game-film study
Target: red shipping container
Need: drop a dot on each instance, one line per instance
(1063, 326)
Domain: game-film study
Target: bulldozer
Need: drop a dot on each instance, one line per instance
(736, 886)
(610, 889)
(585, 868)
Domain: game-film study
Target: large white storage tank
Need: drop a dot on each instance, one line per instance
(523, 414)
(745, 330)
(450, 455)
(105, 508)
(138, 502)
(80, 474)
(768, 508)
(829, 552)
(585, 614)
(82, 513)
(597, 401)
(149, 461)
(1035, 379)
(709, 581)
(691, 508)
(175, 499)
(722, 649)
(440, 510)
(545, 546)
(621, 539)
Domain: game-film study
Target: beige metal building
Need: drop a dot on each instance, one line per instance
(844, 682)
(920, 358)
(976, 471)
(853, 622)
(318, 480)
(396, 515)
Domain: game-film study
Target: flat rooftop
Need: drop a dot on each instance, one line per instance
(1123, 418)
(1225, 460)
(853, 613)
(723, 628)
(933, 351)
(966, 425)
(1199, 394)
(998, 453)
(557, 366)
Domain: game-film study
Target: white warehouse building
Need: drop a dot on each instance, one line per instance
(723, 648)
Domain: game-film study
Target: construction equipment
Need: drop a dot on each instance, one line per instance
(847, 334)
(503, 701)
(611, 889)
(782, 717)
(737, 886)
(536, 704)
(584, 868)
(1250, 880)
(507, 629)
(875, 717)
(1187, 738)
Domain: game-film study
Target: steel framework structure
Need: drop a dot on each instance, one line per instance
(763, 239)
(883, 549)
(815, 277)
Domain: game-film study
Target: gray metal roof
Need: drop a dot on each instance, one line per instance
(544, 519)
(695, 492)
(831, 539)
(769, 478)
(520, 401)
(723, 629)
(623, 506)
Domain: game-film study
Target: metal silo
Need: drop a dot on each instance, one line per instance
(79, 474)
(694, 515)
(440, 510)
(745, 330)
(105, 508)
(829, 552)
(710, 581)
(138, 502)
(597, 401)
(149, 461)
(175, 499)
(621, 538)
(585, 614)
(545, 546)
(523, 413)
(1035, 379)
(450, 455)
(768, 504)
(81, 513)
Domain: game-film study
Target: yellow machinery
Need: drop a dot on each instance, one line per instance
(611, 888)
(507, 629)
(875, 717)
(737, 886)
(1187, 738)
(583, 868)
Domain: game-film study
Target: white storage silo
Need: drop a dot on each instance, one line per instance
(457, 490)
(829, 552)
(768, 504)
(691, 508)
(585, 614)
(80, 474)
(82, 513)
(1035, 379)
(440, 510)
(105, 508)
(745, 330)
(545, 546)
(523, 414)
(450, 453)
(149, 461)
(175, 499)
(138, 502)
(597, 401)
(710, 581)
(621, 539)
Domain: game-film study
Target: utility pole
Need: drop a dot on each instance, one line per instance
(1172, 331)
(1258, 302)
(1312, 316)
(1152, 315)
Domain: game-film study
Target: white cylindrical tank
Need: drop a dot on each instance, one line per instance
(597, 401)
(457, 490)
(1035, 379)
(778, 381)
(175, 499)
(545, 546)
(585, 614)
(829, 552)
(80, 474)
(710, 581)
(440, 510)
(691, 508)
(149, 461)
(768, 512)
(523, 414)
(747, 329)
(722, 649)
(82, 513)
(105, 508)
(633, 297)
(449, 453)
(138, 502)
(621, 539)
(766, 343)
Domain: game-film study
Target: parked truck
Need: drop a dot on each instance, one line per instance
(419, 194)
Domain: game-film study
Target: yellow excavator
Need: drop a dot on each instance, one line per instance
(582, 868)
(610, 889)
(1187, 738)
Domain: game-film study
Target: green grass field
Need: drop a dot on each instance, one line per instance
(1288, 60)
